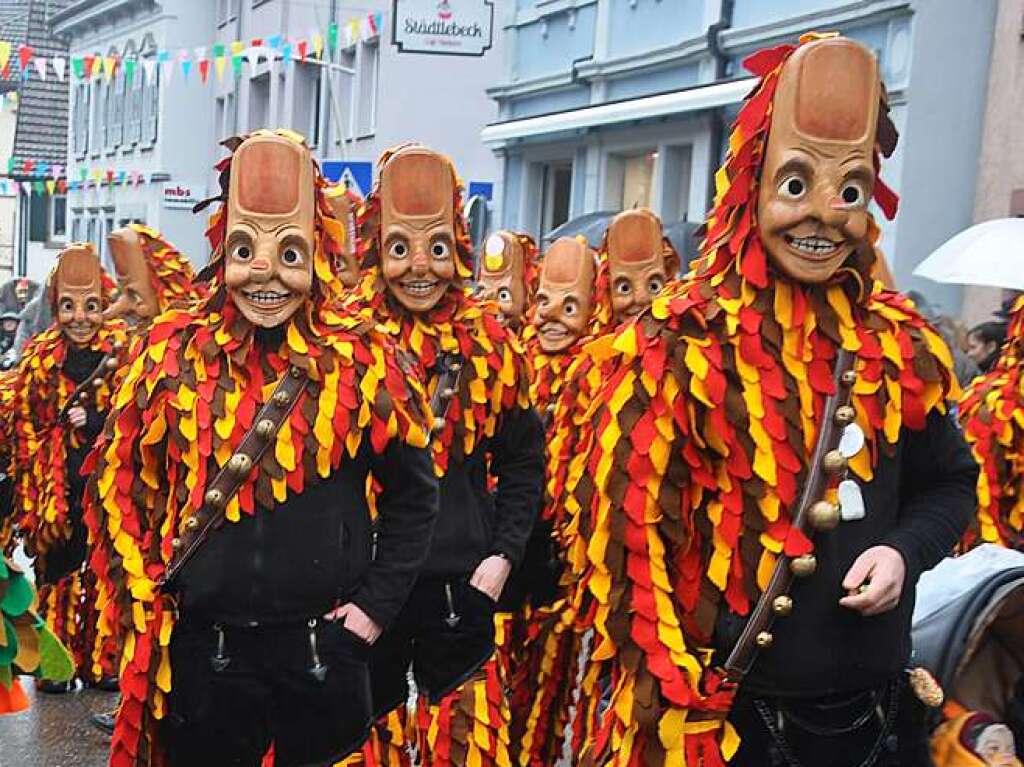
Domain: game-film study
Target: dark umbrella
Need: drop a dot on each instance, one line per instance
(683, 236)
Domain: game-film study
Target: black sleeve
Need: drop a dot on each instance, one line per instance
(407, 506)
(938, 494)
(94, 420)
(518, 464)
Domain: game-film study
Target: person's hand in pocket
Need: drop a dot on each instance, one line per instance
(356, 621)
(490, 576)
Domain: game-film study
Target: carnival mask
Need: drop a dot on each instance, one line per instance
(818, 177)
(565, 297)
(995, 745)
(138, 298)
(78, 292)
(417, 227)
(21, 292)
(503, 276)
(637, 268)
(269, 247)
(346, 265)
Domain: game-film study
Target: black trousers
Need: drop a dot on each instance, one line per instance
(445, 633)
(883, 727)
(302, 686)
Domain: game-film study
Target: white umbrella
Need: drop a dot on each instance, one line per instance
(990, 254)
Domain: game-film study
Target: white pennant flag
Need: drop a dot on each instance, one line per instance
(59, 64)
(149, 67)
(271, 60)
(40, 62)
(26, 187)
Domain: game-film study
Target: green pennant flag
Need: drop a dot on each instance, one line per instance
(218, 49)
(83, 174)
(129, 72)
(236, 64)
(78, 65)
(10, 166)
(332, 37)
(37, 186)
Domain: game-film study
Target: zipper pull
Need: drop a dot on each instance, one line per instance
(318, 670)
(219, 661)
(453, 618)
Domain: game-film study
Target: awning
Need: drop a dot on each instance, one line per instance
(674, 103)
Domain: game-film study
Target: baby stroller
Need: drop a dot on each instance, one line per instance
(968, 631)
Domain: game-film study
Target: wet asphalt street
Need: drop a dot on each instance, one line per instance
(56, 731)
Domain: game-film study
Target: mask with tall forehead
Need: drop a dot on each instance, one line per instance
(503, 276)
(565, 297)
(138, 298)
(637, 265)
(270, 240)
(346, 264)
(818, 177)
(417, 227)
(78, 293)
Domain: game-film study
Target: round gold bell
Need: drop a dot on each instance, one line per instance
(764, 640)
(117, 346)
(848, 378)
(111, 364)
(803, 565)
(845, 415)
(294, 371)
(97, 382)
(191, 523)
(438, 424)
(240, 464)
(264, 428)
(281, 398)
(782, 605)
(824, 515)
(834, 462)
(551, 408)
(214, 498)
(176, 544)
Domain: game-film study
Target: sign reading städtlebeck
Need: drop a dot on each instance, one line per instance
(448, 27)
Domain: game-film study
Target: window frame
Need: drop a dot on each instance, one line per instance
(375, 86)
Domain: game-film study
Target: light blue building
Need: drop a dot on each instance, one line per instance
(610, 103)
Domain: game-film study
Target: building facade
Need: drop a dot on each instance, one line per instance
(606, 104)
(351, 102)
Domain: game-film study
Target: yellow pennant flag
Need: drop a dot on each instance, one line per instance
(5, 53)
(51, 184)
(97, 66)
(97, 174)
(109, 62)
(318, 44)
(219, 64)
(237, 46)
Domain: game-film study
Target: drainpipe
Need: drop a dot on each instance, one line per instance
(715, 156)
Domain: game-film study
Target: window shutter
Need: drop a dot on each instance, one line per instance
(151, 109)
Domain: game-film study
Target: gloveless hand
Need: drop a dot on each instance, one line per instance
(356, 621)
(875, 581)
(77, 416)
(490, 576)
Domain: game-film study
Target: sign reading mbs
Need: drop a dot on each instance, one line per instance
(451, 27)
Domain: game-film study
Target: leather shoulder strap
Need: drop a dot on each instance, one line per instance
(268, 422)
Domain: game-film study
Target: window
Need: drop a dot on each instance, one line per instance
(133, 120)
(150, 108)
(58, 217)
(629, 179)
(259, 102)
(115, 109)
(47, 218)
(556, 188)
(80, 119)
(227, 10)
(676, 176)
(37, 218)
(306, 103)
(366, 73)
(343, 92)
(76, 229)
(98, 132)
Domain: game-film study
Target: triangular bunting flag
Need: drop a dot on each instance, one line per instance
(97, 66)
(83, 174)
(149, 69)
(129, 71)
(59, 63)
(51, 185)
(78, 65)
(57, 171)
(332, 37)
(26, 187)
(186, 62)
(167, 70)
(109, 65)
(318, 44)
(204, 70)
(40, 63)
(24, 56)
(303, 48)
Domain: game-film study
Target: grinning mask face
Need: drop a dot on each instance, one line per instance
(269, 247)
(503, 276)
(78, 292)
(636, 265)
(817, 179)
(417, 227)
(138, 298)
(347, 263)
(565, 297)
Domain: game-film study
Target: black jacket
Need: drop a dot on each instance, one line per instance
(474, 523)
(919, 503)
(318, 548)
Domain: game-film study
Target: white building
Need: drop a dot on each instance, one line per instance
(351, 104)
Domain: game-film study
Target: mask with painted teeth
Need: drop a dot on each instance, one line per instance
(565, 296)
(269, 246)
(818, 176)
(417, 227)
(77, 293)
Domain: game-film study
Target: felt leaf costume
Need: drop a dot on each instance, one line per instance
(184, 407)
(992, 416)
(703, 434)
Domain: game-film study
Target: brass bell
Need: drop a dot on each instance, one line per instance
(803, 565)
(824, 515)
(281, 398)
(264, 428)
(845, 414)
(97, 382)
(438, 424)
(294, 371)
(834, 462)
(214, 498)
(848, 378)
(764, 640)
(176, 544)
(455, 367)
(782, 605)
(240, 464)
(191, 523)
(111, 364)
(551, 408)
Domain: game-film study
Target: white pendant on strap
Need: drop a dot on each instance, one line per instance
(851, 502)
(852, 441)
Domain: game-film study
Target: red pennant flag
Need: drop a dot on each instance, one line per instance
(24, 56)
(110, 176)
(87, 61)
(256, 42)
(204, 70)
(303, 48)
(29, 165)
(62, 185)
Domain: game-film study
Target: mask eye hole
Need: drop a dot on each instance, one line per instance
(504, 295)
(655, 284)
(793, 187)
(398, 249)
(570, 309)
(623, 287)
(92, 305)
(439, 249)
(852, 194)
(67, 305)
(291, 257)
(241, 252)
